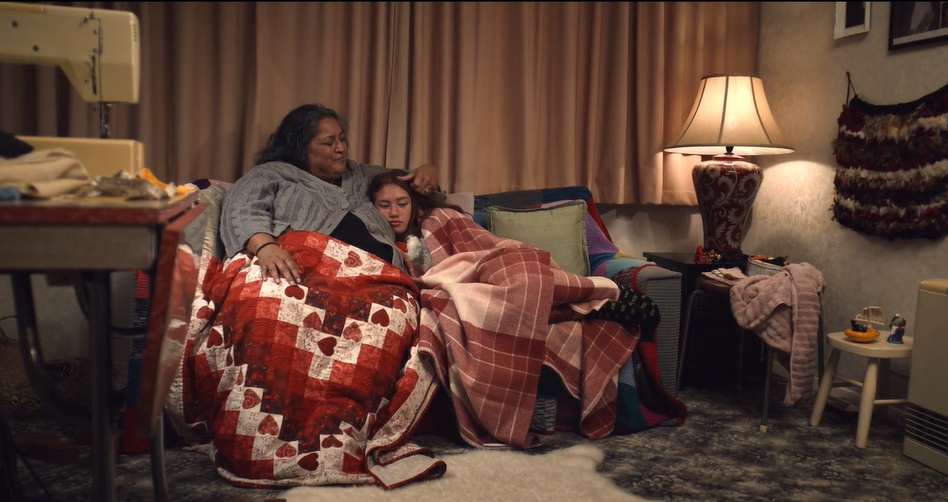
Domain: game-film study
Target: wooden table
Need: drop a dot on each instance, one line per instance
(93, 238)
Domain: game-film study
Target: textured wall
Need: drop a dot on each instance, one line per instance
(804, 72)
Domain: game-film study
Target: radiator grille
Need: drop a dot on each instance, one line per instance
(927, 428)
(666, 292)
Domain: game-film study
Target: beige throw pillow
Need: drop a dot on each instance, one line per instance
(558, 230)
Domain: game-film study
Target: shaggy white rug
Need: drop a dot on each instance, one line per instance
(566, 475)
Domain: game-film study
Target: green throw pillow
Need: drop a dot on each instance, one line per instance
(558, 230)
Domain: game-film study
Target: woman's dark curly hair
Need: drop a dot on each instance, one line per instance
(421, 205)
(291, 140)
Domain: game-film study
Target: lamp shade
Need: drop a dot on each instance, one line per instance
(730, 112)
(730, 119)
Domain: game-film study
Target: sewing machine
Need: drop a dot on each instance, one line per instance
(98, 50)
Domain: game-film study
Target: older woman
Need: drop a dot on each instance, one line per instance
(311, 378)
(304, 180)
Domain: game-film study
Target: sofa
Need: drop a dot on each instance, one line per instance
(663, 286)
(578, 231)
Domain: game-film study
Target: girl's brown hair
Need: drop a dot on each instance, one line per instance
(421, 205)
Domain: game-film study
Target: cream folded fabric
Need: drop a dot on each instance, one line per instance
(44, 173)
(729, 276)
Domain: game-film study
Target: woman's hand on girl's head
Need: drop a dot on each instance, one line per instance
(424, 179)
(275, 262)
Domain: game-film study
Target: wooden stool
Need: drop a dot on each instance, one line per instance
(874, 350)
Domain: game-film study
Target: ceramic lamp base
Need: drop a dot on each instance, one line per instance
(726, 187)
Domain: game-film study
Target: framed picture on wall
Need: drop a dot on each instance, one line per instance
(851, 18)
(916, 23)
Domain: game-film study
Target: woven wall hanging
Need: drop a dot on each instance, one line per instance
(892, 167)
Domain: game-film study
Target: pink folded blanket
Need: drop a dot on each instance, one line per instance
(784, 310)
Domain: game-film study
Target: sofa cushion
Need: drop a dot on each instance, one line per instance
(599, 249)
(559, 230)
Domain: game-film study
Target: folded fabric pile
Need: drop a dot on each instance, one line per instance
(42, 174)
(144, 185)
(728, 276)
(57, 172)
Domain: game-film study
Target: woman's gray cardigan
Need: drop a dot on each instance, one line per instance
(276, 197)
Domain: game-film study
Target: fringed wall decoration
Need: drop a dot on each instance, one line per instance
(892, 168)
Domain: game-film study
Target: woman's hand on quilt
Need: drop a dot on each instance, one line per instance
(275, 262)
(424, 179)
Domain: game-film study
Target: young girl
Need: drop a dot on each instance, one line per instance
(489, 303)
(405, 209)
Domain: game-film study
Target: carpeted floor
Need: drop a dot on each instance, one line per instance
(717, 455)
(557, 475)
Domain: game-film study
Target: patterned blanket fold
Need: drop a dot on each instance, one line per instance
(314, 384)
(485, 322)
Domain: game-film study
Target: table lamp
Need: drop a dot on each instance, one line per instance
(730, 118)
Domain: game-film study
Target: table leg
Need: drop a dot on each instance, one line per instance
(768, 380)
(159, 483)
(826, 385)
(683, 342)
(100, 365)
(740, 358)
(32, 355)
(867, 402)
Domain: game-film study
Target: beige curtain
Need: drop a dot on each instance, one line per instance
(500, 96)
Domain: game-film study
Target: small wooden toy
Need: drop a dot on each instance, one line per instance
(861, 329)
(897, 325)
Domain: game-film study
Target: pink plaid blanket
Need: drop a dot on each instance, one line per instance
(486, 323)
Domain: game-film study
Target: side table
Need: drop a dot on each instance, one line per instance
(690, 271)
(93, 238)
